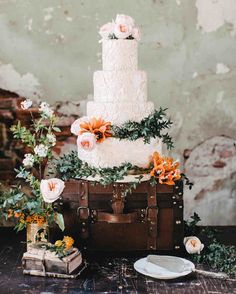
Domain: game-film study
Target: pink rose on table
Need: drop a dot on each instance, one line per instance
(86, 141)
(106, 30)
(136, 33)
(51, 189)
(193, 245)
(123, 26)
(75, 127)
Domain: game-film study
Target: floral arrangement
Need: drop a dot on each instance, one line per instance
(95, 130)
(90, 131)
(61, 248)
(165, 169)
(34, 204)
(122, 28)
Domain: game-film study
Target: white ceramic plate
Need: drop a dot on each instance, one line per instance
(142, 264)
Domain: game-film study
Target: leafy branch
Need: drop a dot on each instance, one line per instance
(150, 127)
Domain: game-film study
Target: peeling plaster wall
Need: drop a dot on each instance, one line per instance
(187, 48)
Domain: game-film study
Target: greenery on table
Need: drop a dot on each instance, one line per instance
(150, 127)
(218, 256)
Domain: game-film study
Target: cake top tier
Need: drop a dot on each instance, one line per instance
(122, 28)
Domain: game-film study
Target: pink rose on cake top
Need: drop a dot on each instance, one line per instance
(122, 28)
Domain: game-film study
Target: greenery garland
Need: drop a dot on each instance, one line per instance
(71, 167)
(151, 126)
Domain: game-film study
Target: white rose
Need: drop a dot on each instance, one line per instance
(86, 141)
(122, 31)
(124, 19)
(51, 189)
(28, 161)
(193, 245)
(75, 127)
(45, 109)
(136, 33)
(41, 150)
(124, 25)
(26, 104)
(106, 30)
(51, 139)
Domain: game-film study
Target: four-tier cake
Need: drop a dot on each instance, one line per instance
(120, 100)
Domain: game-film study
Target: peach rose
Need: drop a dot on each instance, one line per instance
(106, 30)
(193, 245)
(51, 189)
(123, 26)
(86, 141)
(75, 127)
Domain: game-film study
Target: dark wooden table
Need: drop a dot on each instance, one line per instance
(104, 275)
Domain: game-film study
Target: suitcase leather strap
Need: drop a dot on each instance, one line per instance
(151, 214)
(126, 218)
(83, 210)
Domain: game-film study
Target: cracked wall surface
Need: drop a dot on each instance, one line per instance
(187, 48)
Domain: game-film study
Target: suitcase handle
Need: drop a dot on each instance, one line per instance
(126, 218)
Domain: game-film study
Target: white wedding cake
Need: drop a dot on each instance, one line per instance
(120, 95)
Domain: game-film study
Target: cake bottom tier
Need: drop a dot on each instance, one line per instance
(114, 152)
(118, 113)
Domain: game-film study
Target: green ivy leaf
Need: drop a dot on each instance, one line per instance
(56, 129)
(59, 219)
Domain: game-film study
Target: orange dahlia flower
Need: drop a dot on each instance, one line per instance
(99, 127)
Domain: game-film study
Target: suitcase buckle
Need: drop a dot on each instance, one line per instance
(151, 207)
(83, 208)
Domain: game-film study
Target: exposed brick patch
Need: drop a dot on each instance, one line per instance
(212, 167)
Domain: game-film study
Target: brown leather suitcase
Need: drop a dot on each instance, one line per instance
(102, 218)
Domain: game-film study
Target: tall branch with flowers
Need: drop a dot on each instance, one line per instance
(39, 139)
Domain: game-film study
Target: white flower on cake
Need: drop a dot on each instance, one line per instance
(41, 150)
(45, 109)
(107, 29)
(193, 245)
(136, 33)
(26, 104)
(124, 19)
(86, 141)
(51, 189)
(75, 127)
(51, 139)
(28, 161)
(122, 28)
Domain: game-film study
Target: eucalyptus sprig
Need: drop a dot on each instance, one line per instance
(150, 127)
